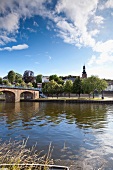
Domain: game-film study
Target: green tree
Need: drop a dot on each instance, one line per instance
(60, 81)
(102, 85)
(1, 80)
(45, 88)
(68, 87)
(18, 77)
(34, 85)
(39, 78)
(5, 82)
(17, 84)
(19, 80)
(23, 84)
(58, 89)
(56, 78)
(11, 76)
(77, 86)
(93, 83)
(29, 84)
(51, 87)
(53, 77)
(89, 85)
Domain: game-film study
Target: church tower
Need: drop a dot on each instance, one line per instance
(84, 74)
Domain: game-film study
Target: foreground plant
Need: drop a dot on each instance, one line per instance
(15, 155)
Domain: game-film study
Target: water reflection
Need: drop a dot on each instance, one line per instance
(83, 115)
(78, 131)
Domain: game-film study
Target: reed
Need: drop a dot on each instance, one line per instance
(14, 155)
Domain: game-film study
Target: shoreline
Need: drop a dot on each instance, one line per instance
(68, 100)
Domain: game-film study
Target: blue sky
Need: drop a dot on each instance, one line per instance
(57, 37)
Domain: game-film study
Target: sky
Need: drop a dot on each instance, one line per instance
(57, 37)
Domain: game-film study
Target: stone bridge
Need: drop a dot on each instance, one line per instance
(14, 94)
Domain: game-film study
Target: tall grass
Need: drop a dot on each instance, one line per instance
(14, 155)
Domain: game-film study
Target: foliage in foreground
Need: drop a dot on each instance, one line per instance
(14, 152)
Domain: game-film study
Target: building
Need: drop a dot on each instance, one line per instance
(45, 79)
(84, 74)
(70, 77)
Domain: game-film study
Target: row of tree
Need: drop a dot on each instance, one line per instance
(88, 85)
(17, 79)
(56, 84)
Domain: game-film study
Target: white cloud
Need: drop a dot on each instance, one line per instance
(105, 53)
(103, 71)
(108, 4)
(94, 32)
(18, 47)
(31, 30)
(72, 27)
(12, 11)
(78, 14)
(10, 22)
(4, 39)
(104, 47)
(92, 60)
(98, 20)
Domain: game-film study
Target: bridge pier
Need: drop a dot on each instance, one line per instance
(10, 97)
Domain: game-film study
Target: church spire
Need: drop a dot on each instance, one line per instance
(84, 74)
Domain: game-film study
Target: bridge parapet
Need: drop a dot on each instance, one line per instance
(13, 94)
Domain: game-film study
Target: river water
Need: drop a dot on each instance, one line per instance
(81, 134)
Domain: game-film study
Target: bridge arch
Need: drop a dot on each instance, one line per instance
(9, 96)
(13, 94)
(27, 95)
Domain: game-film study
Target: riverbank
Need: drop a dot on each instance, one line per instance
(72, 100)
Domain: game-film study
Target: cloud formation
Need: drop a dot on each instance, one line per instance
(18, 47)
(12, 11)
(76, 22)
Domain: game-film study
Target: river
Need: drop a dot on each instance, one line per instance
(81, 134)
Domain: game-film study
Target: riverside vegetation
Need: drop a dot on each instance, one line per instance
(56, 85)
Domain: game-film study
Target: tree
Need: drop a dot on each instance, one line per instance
(11, 76)
(19, 80)
(30, 84)
(53, 77)
(60, 81)
(102, 85)
(51, 87)
(39, 78)
(0, 80)
(5, 82)
(68, 87)
(23, 84)
(93, 83)
(28, 76)
(45, 88)
(18, 77)
(89, 85)
(77, 86)
(17, 84)
(58, 89)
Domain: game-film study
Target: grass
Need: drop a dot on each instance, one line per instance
(71, 98)
(15, 155)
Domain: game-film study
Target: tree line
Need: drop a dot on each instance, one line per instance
(88, 85)
(57, 85)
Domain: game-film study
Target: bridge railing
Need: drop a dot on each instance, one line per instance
(20, 87)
